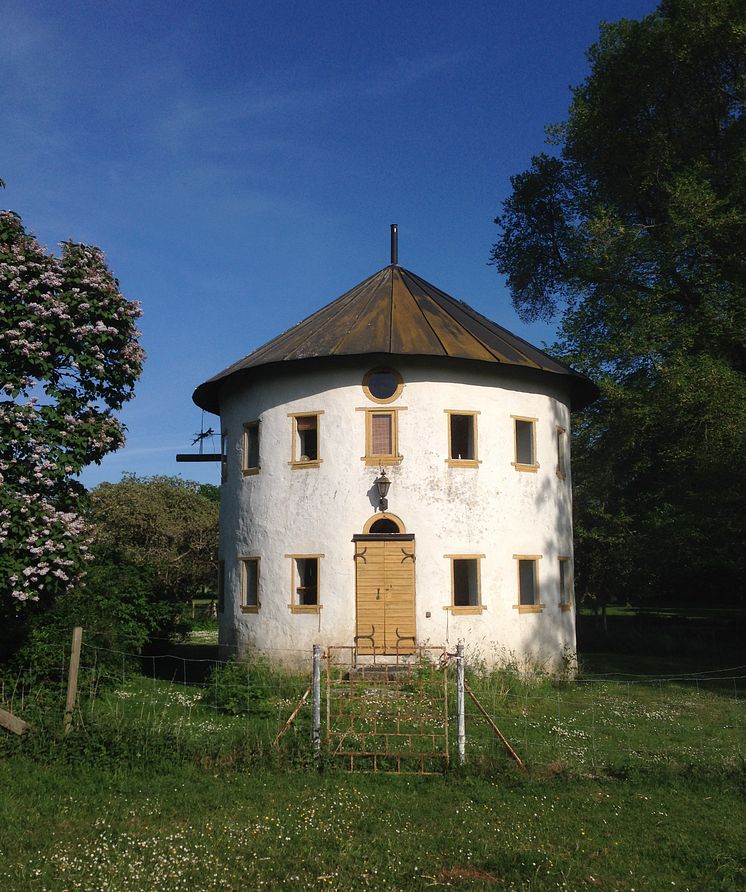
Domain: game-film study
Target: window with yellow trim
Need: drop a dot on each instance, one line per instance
(250, 584)
(524, 436)
(561, 453)
(565, 584)
(382, 385)
(305, 450)
(304, 593)
(462, 439)
(381, 437)
(466, 583)
(250, 464)
(528, 583)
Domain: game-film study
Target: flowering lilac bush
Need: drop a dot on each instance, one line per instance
(69, 358)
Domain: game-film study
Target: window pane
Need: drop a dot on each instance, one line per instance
(524, 442)
(252, 446)
(382, 383)
(465, 583)
(527, 581)
(384, 526)
(307, 432)
(251, 583)
(561, 452)
(381, 439)
(462, 436)
(564, 580)
(307, 579)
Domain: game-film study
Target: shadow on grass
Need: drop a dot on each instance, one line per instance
(188, 662)
(701, 648)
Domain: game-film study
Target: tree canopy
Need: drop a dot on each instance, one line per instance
(165, 525)
(631, 232)
(69, 358)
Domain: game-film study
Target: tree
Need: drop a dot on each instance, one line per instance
(164, 525)
(633, 234)
(153, 546)
(69, 358)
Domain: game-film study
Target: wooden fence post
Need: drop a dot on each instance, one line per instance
(12, 722)
(72, 679)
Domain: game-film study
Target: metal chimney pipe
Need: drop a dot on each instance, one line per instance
(394, 244)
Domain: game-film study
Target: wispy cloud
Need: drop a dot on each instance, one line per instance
(401, 74)
(211, 113)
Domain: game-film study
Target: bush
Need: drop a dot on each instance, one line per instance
(241, 687)
(117, 611)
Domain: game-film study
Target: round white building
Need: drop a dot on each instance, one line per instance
(397, 381)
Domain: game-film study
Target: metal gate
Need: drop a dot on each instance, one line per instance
(388, 716)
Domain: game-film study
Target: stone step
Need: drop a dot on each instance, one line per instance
(379, 671)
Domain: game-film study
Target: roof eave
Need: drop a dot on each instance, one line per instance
(583, 391)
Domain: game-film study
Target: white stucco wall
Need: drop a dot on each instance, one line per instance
(492, 510)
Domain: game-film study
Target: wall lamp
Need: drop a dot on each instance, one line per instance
(382, 484)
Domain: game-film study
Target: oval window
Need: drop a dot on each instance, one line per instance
(382, 385)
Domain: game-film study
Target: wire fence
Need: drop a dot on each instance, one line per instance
(177, 704)
(615, 723)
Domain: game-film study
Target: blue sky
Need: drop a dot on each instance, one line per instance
(240, 162)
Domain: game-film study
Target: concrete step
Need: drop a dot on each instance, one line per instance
(380, 671)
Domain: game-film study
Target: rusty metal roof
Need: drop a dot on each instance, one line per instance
(395, 311)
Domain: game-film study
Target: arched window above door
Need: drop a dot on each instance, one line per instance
(384, 523)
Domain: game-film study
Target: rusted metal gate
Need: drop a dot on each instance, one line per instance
(388, 716)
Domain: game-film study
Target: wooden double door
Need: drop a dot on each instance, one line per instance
(385, 594)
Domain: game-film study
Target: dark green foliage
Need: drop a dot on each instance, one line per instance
(165, 524)
(125, 606)
(118, 613)
(634, 234)
(210, 491)
(661, 482)
(154, 545)
(241, 687)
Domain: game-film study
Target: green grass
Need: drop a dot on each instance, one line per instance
(100, 828)
(631, 784)
(612, 727)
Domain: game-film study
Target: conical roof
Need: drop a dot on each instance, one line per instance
(395, 311)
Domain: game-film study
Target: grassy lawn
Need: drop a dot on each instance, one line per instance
(99, 828)
(631, 784)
